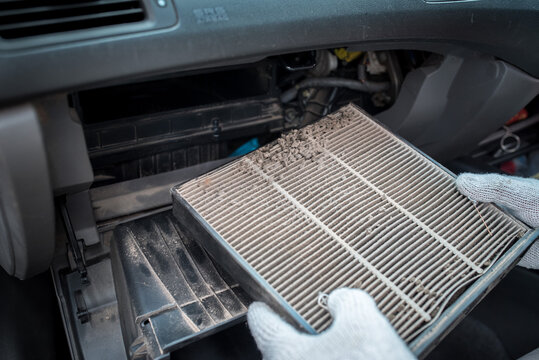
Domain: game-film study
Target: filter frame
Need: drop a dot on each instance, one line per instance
(198, 228)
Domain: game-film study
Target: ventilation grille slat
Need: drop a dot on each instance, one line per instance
(20, 19)
(344, 203)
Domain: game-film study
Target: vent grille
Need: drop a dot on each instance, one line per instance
(24, 18)
(344, 203)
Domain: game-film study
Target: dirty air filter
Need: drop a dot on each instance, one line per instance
(345, 203)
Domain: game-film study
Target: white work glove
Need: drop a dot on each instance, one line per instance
(519, 195)
(359, 331)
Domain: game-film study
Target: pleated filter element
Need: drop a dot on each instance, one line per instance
(345, 203)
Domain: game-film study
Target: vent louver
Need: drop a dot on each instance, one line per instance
(345, 203)
(25, 18)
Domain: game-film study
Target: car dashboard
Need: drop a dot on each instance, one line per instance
(105, 105)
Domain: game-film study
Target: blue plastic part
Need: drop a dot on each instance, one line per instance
(246, 148)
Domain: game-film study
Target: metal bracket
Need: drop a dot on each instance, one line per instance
(216, 128)
(81, 215)
(73, 244)
(82, 310)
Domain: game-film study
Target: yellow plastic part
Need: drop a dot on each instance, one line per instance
(346, 55)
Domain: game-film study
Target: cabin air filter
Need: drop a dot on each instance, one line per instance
(345, 203)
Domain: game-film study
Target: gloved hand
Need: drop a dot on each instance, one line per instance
(359, 331)
(519, 195)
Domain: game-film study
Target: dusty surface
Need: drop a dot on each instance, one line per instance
(342, 202)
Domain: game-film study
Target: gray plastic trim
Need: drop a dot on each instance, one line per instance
(70, 168)
(26, 203)
(446, 108)
(247, 30)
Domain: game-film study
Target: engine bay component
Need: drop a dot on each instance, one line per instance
(326, 62)
(367, 86)
(345, 203)
(348, 56)
(300, 61)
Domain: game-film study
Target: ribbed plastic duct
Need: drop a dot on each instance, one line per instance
(345, 203)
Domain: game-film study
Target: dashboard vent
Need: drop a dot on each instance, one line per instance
(25, 18)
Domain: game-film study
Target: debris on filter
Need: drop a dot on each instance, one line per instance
(303, 144)
(285, 151)
(204, 183)
(396, 312)
(448, 268)
(419, 287)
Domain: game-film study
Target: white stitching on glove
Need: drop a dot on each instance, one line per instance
(359, 331)
(519, 195)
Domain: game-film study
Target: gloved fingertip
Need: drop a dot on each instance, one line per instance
(346, 299)
(477, 187)
(257, 310)
(466, 183)
(266, 325)
(355, 311)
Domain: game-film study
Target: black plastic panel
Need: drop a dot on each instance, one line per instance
(145, 145)
(215, 33)
(170, 292)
